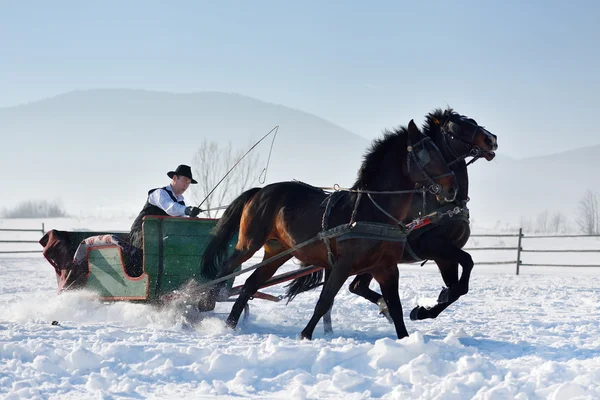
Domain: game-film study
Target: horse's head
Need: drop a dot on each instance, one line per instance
(427, 166)
(463, 136)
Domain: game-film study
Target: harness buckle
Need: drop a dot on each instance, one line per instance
(435, 188)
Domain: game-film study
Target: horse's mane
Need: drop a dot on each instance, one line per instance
(434, 121)
(379, 153)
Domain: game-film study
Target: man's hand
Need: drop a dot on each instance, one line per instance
(192, 211)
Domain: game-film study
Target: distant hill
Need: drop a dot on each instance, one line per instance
(105, 148)
(507, 189)
(99, 151)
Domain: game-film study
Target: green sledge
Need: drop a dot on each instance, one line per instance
(172, 251)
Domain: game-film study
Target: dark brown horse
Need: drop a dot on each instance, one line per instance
(441, 240)
(282, 215)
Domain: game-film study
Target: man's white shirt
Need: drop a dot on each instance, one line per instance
(162, 200)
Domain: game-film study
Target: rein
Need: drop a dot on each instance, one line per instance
(433, 188)
(338, 188)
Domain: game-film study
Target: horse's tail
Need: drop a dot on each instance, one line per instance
(220, 237)
(304, 283)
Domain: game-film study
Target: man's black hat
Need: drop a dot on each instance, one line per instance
(182, 170)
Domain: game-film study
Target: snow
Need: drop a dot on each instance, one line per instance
(532, 336)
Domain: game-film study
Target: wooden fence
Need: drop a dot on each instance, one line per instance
(520, 249)
(42, 231)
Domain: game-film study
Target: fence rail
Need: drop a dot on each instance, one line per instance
(42, 231)
(520, 249)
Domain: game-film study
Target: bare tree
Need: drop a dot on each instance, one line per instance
(542, 222)
(588, 217)
(35, 209)
(526, 224)
(210, 164)
(558, 223)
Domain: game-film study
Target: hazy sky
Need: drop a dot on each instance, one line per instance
(528, 70)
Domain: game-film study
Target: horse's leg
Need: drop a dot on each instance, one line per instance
(360, 286)
(339, 273)
(248, 244)
(450, 257)
(241, 254)
(387, 277)
(327, 325)
(254, 282)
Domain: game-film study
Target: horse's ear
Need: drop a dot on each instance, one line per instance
(412, 128)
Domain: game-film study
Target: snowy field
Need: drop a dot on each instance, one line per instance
(533, 336)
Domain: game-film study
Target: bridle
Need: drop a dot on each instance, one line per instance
(421, 158)
(474, 151)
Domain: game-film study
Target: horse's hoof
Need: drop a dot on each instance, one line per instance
(207, 303)
(230, 323)
(383, 310)
(388, 317)
(419, 313)
(304, 336)
(414, 313)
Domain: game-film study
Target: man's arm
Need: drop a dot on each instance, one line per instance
(161, 199)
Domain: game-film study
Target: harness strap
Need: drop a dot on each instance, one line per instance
(475, 151)
(324, 221)
(411, 252)
(473, 160)
(398, 222)
(355, 210)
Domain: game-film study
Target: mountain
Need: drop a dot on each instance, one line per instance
(103, 149)
(507, 190)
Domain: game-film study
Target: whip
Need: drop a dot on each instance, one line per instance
(275, 129)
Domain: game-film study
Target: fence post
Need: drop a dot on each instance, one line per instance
(43, 230)
(519, 250)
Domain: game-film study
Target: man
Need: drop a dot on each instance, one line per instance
(165, 201)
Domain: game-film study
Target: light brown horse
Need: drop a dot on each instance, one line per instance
(280, 216)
